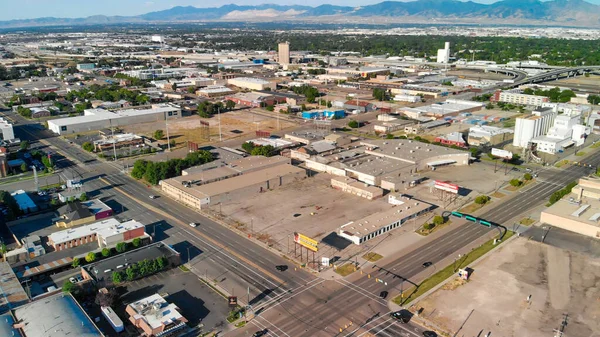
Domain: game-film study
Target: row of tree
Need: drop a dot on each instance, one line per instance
(7, 200)
(140, 269)
(311, 93)
(259, 150)
(153, 172)
(554, 94)
(110, 93)
(206, 109)
(121, 247)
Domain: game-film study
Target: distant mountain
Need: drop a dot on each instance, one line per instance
(553, 12)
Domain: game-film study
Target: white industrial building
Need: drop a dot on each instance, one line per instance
(569, 108)
(565, 132)
(150, 74)
(534, 125)
(407, 98)
(97, 119)
(251, 83)
(443, 55)
(6, 129)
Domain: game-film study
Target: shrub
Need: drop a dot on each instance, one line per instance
(527, 176)
(121, 247)
(76, 262)
(89, 147)
(438, 220)
(105, 252)
(90, 257)
(136, 242)
(158, 134)
(353, 124)
(482, 199)
(68, 287)
(428, 226)
(515, 182)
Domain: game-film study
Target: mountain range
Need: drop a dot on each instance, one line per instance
(514, 12)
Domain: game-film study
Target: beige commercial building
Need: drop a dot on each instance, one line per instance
(357, 188)
(284, 53)
(224, 184)
(578, 212)
(251, 83)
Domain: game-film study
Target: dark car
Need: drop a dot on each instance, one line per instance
(403, 316)
(429, 334)
(383, 294)
(427, 264)
(260, 333)
(281, 267)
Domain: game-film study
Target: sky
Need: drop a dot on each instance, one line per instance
(26, 9)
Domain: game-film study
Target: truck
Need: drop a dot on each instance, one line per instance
(113, 319)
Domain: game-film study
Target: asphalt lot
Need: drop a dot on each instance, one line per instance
(198, 302)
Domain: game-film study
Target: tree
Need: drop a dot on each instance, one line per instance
(438, 220)
(515, 182)
(136, 242)
(47, 162)
(158, 134)
(489, 106)
(117, 277)
(76, 262)
(172, 143)
(267, 151)
(69, 287)
(191, 90)
(379, 94)
(131, 273)
(428, 226)
(83, 197)
(594, 99)
(139, 168)
(527, 176)
(474, 152)
(90, 257)
(161, 262)
(303, 107)
(110, 297)
(229, 104)
(389, 136)
(482, 199)
(528, 91)
(121, 247)
(269, 108)
(353, 124)
(24, 145)
(105, 252)
(248, 146)
(23, 167)
(89, 147)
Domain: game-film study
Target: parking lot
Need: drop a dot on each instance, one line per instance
(198, 303)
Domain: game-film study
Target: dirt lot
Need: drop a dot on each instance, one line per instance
(582, 83)
(495, 298)
(234, 124)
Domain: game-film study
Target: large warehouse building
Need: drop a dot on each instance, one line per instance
(97, 119)
(579, 212)
(377, 224)
(239, 179)
(251, 83)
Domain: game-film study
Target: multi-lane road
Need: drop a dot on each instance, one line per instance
(294, 302)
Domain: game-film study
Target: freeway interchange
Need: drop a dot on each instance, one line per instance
(296, 303)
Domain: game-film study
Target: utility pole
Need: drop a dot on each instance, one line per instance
(560, 331)
(112, 135)
(167, 126)
(220, 133)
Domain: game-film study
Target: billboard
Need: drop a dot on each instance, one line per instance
(305, 241)
(501, 153)
(233, 301)
(446, 186)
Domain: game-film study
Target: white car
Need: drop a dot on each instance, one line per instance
(75, 279)
(152, 197)
(193, 224)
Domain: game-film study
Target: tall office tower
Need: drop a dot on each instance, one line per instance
(284, 53)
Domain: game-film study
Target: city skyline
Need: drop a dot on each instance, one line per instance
(31, 9)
